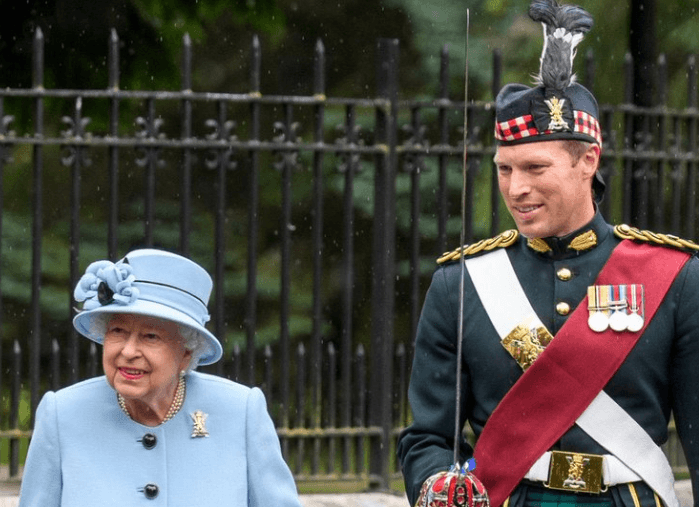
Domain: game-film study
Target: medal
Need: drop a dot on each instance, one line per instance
(598, 296)
(635, 323)
(598, 322)
(619, 307)
(619, 320)
(636, 320)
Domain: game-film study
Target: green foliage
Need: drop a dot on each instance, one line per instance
(504, 25)
(203, 21)
(151, 34)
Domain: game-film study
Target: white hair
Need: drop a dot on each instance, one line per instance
(193, 341)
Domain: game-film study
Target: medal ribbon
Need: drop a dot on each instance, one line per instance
(574, 367)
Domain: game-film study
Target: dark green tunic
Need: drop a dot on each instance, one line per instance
(660, 375)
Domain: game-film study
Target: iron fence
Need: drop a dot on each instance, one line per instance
(318, 305)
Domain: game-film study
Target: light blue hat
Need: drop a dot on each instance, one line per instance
(148, 282)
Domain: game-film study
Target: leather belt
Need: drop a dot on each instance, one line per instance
(580, 473)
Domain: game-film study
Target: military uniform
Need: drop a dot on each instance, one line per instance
(660, 376)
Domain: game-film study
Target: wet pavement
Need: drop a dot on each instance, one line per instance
(10, 489)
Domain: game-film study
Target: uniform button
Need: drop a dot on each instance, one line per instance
(149, 441)
(563, 308)
(151, 491)
(564, 274)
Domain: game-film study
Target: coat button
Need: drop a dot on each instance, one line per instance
(564, 274)
(151, 491)
(149, 441)
(563, 308)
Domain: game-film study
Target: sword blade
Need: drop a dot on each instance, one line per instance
(460, 334)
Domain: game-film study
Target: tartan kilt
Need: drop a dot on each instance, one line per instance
(531, 494)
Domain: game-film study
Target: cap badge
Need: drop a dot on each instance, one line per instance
(552, 113)
(199, 428)
(619, 307)
(557, 122)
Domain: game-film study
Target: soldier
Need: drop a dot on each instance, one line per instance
(580, 339)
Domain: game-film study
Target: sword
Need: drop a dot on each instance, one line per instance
(457, 487)
(460, 334)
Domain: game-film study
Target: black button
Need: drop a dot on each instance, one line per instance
(151, 491)
(149, 441)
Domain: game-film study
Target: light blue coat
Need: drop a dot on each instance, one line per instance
(86, 452)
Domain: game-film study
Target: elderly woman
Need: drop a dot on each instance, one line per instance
(152, 429)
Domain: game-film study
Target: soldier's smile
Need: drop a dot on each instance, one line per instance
(543, 188)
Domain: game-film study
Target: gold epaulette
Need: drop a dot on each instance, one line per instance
(626, 232)
(502, 240)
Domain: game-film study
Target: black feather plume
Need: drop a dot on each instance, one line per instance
(564, 28)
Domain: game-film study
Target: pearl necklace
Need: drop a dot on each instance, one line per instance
(174, 407)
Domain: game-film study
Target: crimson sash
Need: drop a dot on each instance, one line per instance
(574, 367)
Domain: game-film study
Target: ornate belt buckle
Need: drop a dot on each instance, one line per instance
(572, 471)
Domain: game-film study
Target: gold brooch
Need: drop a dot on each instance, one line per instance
(199, 429)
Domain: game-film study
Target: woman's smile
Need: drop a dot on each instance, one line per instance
(142, 358)
(131, 373)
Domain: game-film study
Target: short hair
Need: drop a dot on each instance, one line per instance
(193, 341)
(576, 149)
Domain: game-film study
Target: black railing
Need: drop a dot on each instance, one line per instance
(317, 304)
